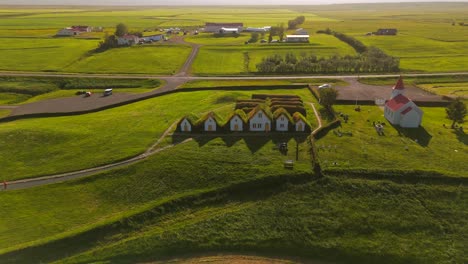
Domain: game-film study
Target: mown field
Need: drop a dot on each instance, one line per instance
(425, 43)
(432, 147)
(84, 141)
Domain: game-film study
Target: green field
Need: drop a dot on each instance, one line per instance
(243, 59)
(154, 59)
(430, 147)
(247, 83)
(112, 135)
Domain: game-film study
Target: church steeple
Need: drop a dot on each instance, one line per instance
(398, 88)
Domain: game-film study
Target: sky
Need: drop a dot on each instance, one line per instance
(203, 2)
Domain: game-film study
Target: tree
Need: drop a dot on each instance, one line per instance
(456, 111)
(281, 32)
(121, 30)
(254, 37)
(328, 97)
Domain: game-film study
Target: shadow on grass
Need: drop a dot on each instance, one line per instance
(419, 135)
(253, 142)
(461, 136)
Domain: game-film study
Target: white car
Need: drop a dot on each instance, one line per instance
(325, 85)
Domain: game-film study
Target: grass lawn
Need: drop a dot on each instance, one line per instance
(230, 83)
(213, 60)
(112, 135)
(154, 59)
(39, 214)
(32, 54)
(448, 89)
(12, 98)
(334, 219)
(436, 149)
(210, 39)
(4, 112)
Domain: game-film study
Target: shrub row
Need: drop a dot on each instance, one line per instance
(356, 44)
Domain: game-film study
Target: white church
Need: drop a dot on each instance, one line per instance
(400, 110)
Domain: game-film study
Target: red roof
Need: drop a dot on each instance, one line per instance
(399, 85)
(406, 110)
(79, 28)
(397, 102)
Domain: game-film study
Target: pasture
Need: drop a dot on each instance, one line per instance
(152, 59)
(84, 141)
(431, 147)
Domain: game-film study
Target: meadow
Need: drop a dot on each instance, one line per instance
(112, 135)
(432, 147)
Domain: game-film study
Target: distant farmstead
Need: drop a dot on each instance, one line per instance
(216, 27)
(386, 32)
(400, 110)
(74, 30)
(127, 40)
(297, 38)
(262, 113)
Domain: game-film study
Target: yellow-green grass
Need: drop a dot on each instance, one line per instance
(32, 54)
(84, 141)
(334, 219)
(448, 89)
(4, 112)
(211, 39)
(154, 59)
(12, 98)
(39, 214)
(431, 147)
(243, 59)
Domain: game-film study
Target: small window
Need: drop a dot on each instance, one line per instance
(259, 125)
(282, 118)
(282, 126)
(260, 115)
(254, 125)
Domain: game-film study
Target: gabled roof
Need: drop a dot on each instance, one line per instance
(397, 102)
(240, 113)
(206, 116)
(399, 85)
(262, 108)
(129, 37)
(281, 111)
(299, 117)
(191, 118)
(406, 110)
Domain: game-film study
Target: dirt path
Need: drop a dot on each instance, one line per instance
(319, 120)
(8, 107)
(34, 182)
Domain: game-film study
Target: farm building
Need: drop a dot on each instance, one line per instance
(300, 122)
(237, 121)
(157, 37)
(260, 119)
(297, 38)
(229, 30)
(260, 29)
(127, 40)
(386, 32)
(186, 124)
(209, 122)
(400, 110)
(216, 27)
(301, 31)
(74, 30)
(282, 120)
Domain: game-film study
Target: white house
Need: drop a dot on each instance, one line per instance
(282, 123)
(300, 126)
(297, 38)
(210, 124)
(261, 29)
(236, 123)
(400, 110)
(127, 40)
(259, 121)
(185, 125)
(216, 27)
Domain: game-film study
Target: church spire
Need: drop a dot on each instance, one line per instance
(398, 88)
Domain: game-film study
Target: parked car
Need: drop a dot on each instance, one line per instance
(107, 92)
(263, 41)
(88, 94)
(325, 85)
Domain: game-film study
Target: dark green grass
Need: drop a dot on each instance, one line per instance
(344, 220)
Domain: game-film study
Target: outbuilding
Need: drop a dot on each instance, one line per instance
(297, 38)
(260, 120)
(282, 120)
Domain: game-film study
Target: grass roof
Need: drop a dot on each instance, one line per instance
(240, 113)
(217, 118)
(192, 118)
(298, 116)
(282, 111)
(264, 108)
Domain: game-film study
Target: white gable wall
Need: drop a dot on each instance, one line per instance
(236, 124)
(185, 126)
(412, 119)
(300, 126)
(282, 123)
(260, 122)
(210, 124)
